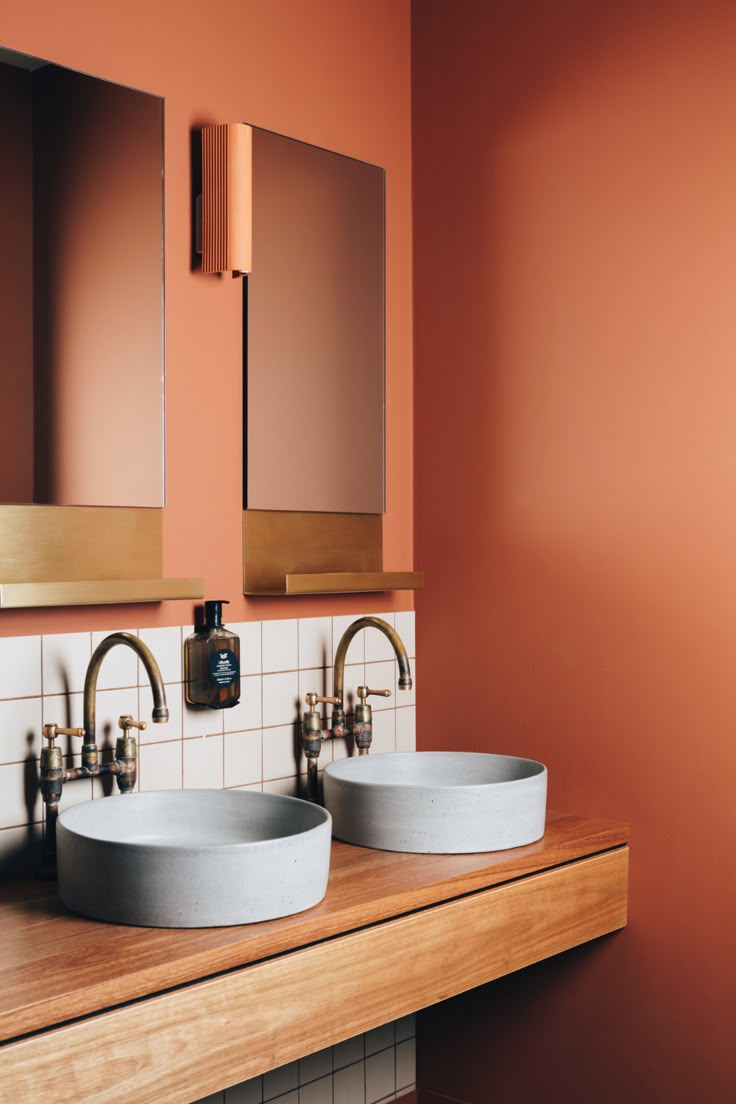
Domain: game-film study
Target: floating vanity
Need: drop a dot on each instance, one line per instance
(144, 1014)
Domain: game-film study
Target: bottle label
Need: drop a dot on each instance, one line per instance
(224, 667)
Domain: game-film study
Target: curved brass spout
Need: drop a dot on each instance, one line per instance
(160, 708)
(395, 640)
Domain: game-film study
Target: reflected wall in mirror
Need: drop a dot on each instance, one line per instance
(81, 289)
(314, 308)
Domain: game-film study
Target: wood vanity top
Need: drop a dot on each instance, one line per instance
(55, 966)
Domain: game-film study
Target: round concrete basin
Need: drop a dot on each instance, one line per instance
(193, 858)
(437, 802)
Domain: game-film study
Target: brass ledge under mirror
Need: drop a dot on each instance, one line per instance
(287, 552)
(84, 555)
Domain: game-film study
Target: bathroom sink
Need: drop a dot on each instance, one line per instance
(436, 802)
(193, 858)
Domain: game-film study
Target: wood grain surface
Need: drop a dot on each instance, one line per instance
(55, 966)
(182, 1045)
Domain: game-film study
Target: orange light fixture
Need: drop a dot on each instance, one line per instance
(227, 198)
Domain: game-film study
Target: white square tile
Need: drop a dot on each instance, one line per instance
(250, 646)
(20, 729)
(381, 676)
(406, 1064)
(348, 1085)
(198, 720)
(247, 713)
(20, 666)
(380, 1076)
(317, 1092)
(377, 645)
(384, 732)
(166, 645)
(406, 1028)
(247, 1092)
(315, 1065)
(354, 677)
(380, 1038)
(65, 658)
(404, 625)
(20, 800)
(282, 755)
(406, 729)
(349, 1051)
(356, 648)
(315, 642)
(279, 645)
(160, 766)
(161, 730)
(290, 787)
(76, 791)
(243, 758)
(281, 1080)
(20, 851)
(281, 699)
(203, 763)
(120, 665)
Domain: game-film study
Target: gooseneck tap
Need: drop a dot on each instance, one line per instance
(362, 729)
(124, 766)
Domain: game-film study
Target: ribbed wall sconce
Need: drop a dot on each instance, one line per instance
(227, 233)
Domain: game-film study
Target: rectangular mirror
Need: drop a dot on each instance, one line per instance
(314, 309)
(81, 289)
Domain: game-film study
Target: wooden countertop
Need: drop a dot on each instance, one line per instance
(55, 966)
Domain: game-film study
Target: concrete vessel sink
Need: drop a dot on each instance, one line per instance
(193, 858)
(437, 802)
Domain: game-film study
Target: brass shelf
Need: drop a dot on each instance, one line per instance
(290, 552)
(97, 592)
(346, 582)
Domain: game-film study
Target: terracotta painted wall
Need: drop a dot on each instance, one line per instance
(330, 73)
(16, 288)
(575, 466)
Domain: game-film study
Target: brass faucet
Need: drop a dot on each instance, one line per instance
(125, 764)
(362, 728)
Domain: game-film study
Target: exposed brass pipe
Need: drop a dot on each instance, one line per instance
(405, 681)
(124, 766)
(362, 729)
(160, 712)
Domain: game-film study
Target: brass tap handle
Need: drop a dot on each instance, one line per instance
(364, 692)
(312, 699)
(51, 731)
(126, 721)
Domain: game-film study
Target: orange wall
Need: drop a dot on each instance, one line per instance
(327, 72)
(575, 467)
(16, 288)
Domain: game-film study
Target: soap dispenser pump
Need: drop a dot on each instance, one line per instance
(212, 662)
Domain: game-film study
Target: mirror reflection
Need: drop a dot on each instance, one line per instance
(314, 305)
(81, 292)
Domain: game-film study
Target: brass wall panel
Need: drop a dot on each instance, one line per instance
(75, 543)
(278, 543)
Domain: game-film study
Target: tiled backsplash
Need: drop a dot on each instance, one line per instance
(368, 1069)
(253, 745)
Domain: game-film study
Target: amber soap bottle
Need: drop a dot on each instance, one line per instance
(212, 662)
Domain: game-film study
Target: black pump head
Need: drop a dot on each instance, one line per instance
(213, 613)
